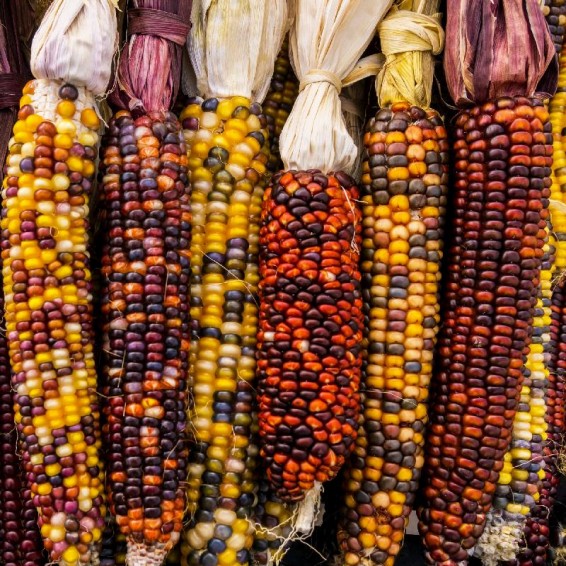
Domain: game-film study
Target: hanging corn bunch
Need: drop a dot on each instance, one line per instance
(281, 96)
(503, 154)
(20, 543)
(227, 143)
(405, 173)
(146, 268)
(50, 170)
(309, 343)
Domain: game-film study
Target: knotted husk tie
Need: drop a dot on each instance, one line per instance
(410, 36)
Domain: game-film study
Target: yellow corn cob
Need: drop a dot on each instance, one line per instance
(227, 160)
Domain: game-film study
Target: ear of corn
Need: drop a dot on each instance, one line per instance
(283, 91)
(503, 155)
(225, 142)
(146, 267)
(520, 481)
(309, 343)
(404, 198)
(47, 289)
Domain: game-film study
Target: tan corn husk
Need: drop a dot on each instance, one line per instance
(410, 37)
(233, 45)
(326, 40)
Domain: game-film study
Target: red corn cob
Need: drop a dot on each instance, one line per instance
(503, 155)
(309, 343)
(494, 264)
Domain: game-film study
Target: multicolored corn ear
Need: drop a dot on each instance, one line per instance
(503, 159)
(519, 486)
(404, 195)
(555, 13)
(228, 148)
(20, 543)
(283, 91)
(404, 199)
(227, 173)
(47, 289)
(146, 269)
(47, 278)
(503, 155)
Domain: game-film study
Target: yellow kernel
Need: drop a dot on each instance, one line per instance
(66, 108)
(90, 119)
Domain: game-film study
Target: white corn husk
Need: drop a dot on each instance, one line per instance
(326, 40)
(233, 45)
(76, 42)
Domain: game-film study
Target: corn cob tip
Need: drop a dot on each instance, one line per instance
(140, 554)
(500, 541)
(310, 510)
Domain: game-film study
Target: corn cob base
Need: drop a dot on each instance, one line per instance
(142, 555)
(226, 143)
(404, 199)
(309, 343)
(503, 160)
(47, 286)
(146, 264)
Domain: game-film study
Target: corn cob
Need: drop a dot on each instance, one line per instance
(278, 103)
(555, 13)
(227, 143)
(503, 153)
(49, 313)
(405, 173)
(146, 266)
(309, 343)
(20, 543)
(520, 480)
(495, 259)
(227, 171)
(404, 196)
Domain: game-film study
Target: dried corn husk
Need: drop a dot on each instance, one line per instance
(76, 42)
(410, 36)
(353, 99)
(149, 72)
(485, 60)
(326, 40)
(233, 46)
